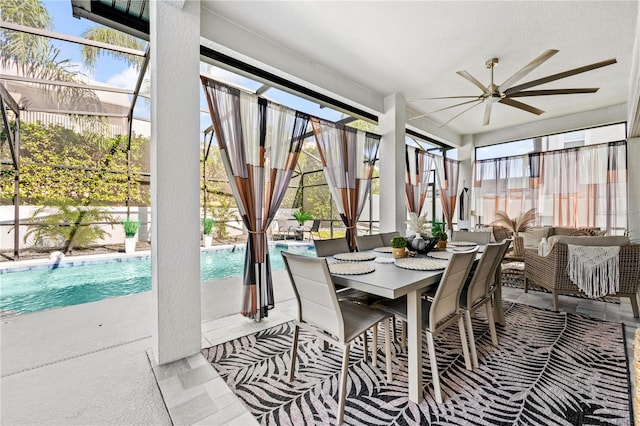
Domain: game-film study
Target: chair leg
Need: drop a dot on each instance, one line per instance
(472, 339)
(634, 304)
(555, 301)
(434, 367)
(465, 347)
(374, 345)
(294, 349)
(343, 383)
(387, 346)
(492, 323)
(526, 285)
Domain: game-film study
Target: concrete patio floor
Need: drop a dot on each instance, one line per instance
(90, 364)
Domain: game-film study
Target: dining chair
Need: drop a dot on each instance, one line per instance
(322, 314)
(331, 246)
(473, 237)
(479, 290)
(368, 242)
(315, 227)
(387, 237)
(325, 248)
(439, 313)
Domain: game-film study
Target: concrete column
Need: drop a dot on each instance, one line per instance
(175, 161)
(465, 179)
(633, 212)
(393, 211)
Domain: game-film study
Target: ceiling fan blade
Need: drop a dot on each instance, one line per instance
(487, 114)
(472, 79)
(558, 76)
(527, 69)
(520, 105)
(442, 109)
(443, 97)
(478, 102)
(553, 92)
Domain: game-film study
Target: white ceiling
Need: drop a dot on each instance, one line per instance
(362, 52)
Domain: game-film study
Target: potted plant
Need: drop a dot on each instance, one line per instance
(438, 231)
(207, 231)
(517, 224)
(399, 247)
(130, 230)
(302, 216)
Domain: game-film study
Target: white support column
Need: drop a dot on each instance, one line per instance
(175, 161)
(393, 210)
(633, 213)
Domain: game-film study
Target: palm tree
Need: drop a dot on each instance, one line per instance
(111, 36)
(34, 56)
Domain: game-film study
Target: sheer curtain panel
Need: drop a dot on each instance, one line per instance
(259, 142)
(576, 187)
(419, 165)
(348, 157)
(448, 172)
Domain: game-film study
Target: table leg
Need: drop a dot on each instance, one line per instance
(414, 345)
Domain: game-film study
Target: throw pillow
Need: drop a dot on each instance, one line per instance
(533, 236)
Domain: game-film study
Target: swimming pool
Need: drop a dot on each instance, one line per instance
(45, 288)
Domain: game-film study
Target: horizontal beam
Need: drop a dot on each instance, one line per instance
(72, 39)
(66, 84)
(70, 112)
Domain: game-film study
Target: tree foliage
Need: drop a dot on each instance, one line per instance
(90, 54)
(59, 164)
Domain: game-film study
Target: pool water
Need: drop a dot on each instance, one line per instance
(40, 289)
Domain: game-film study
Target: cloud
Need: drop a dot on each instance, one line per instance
(126, 79)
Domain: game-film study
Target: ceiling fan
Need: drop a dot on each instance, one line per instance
(506, 92)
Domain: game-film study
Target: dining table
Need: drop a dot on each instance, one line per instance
(392, 282)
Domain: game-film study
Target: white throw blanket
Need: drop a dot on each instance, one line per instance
(594, 269)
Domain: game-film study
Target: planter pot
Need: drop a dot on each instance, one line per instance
(518, 246)
(206, 240)
(399, 253)
(130, 244)
(442, 244)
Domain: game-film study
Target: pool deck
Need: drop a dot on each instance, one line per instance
(92, 364)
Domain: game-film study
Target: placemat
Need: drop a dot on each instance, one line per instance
(462, 244)
(383, 249)
(354, 257)
(422, 263)
(446, 255)
(385, 260)
(350, 268)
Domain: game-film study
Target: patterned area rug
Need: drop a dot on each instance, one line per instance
(550, 368)
(515, 278)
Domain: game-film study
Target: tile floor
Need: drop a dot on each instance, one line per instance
(194, 393)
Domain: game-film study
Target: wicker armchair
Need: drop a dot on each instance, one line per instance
(550, 272)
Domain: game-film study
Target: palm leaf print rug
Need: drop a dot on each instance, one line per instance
(550, 368)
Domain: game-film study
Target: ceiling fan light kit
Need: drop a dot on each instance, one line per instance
(505, 92)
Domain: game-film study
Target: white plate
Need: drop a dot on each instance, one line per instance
(422, 263)
(354, 257)
(350, 268)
